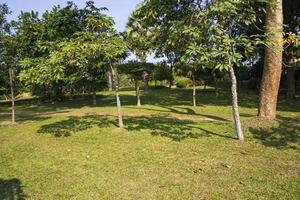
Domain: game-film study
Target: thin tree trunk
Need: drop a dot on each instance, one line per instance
(11, 77)
(291, 85)
(204, 84)
(194, 92)
(273, 62)
(171, 77)
(119, 109)
(235, 108)
(145, 74)
(137, 91)
(146, 80)
(94, 97)
(110, 82)
(216, 84)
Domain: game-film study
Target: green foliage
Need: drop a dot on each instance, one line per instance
(71, 48)
(135, 69)
(161, 72)
(181, 82)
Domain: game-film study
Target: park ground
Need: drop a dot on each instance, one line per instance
(167, 150)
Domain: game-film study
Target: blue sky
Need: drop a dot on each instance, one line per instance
(118, 9)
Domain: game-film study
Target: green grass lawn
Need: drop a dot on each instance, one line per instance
(168, 149)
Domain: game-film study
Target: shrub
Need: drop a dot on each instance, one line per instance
(181, 82)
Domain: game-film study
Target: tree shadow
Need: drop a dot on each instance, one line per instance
(73, 125)
(21, 118)
(11, 189)
(187, 111)
(176, 129)
(283, 134)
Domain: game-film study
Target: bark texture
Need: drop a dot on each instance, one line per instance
(273, 62)
(235, 107)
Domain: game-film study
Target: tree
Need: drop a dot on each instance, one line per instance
(291, 19)
(38, 37)
(138, 41)
(136, 71)
(8, 55)
(273, 61)
(231, 45)
(207, 31)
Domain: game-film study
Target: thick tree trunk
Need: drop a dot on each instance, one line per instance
(119, 109)
(291, 84)
(235, 108)
(94, 97)
(11, 77)
(216, 84)
(273, 62)
(194, 92)
(137, 91)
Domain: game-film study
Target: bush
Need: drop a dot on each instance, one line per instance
(181, 82)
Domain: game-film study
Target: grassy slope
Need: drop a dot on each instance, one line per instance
(168, 150)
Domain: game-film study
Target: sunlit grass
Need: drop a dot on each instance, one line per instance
(167, 150)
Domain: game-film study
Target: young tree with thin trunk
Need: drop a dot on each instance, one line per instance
(119, 108)
(194, 91)
(273, 61)
(136, 71)
(11, 80)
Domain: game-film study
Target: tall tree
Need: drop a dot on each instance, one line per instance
(273, 61)
(138, 41)
(8, 54)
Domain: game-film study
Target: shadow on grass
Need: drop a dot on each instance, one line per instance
(177, 110)
(20, 118)
(283, 134)
(11, 189)
(176, 129)
(73, 125)
(158, 97)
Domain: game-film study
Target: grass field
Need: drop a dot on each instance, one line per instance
(168, 149)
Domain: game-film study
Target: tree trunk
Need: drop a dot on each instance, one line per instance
(273, 62)
(137, 91)
(11, 77)
(119, 109)
(216, 84)
(194, 91)
(171, 77)
(146, 80)
(110, 82)
(94, 97)
(235, 108)
(291, 85)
